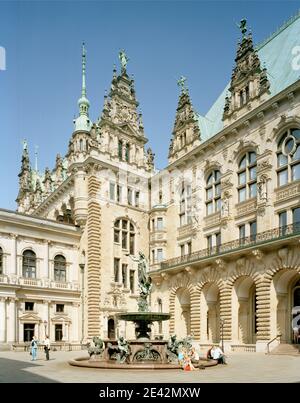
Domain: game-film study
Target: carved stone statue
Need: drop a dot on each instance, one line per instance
(123, 59)
(225, 207)
(262, 189)
(144, 281)
(172, 348)
(150, 157)
(123, 350)
(97, 348)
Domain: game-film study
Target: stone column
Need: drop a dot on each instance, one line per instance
(14, 256)
(226, 313)
(11, 320)
(263, 314)
(2, 320)
(75, 322)
(47, 263)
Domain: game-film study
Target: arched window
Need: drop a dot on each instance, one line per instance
(29, 264)
(80, 145)
(288, 157)
(213, 192)
(60, 268)
(124, 233)
(1, 261)
(247, 176)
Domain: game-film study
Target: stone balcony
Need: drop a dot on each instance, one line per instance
(38, 283)
(267, 239)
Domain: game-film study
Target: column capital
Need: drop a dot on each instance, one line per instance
(14, 236)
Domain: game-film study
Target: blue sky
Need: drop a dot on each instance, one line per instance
(41, 84)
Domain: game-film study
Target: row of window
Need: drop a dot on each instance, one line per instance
(124, 151)
(29, 261)
(115, 194)
(121, 275)
(29, 306)
(29, 332)
(288, 170)
(124, 234)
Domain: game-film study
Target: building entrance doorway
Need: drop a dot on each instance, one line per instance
(111, 329)
(296, 313)
(28, 331)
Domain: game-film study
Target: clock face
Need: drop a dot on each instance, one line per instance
(289, 145)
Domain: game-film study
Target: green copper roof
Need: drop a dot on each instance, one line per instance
(276, 54)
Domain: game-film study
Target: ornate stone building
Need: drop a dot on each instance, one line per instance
(220, 224)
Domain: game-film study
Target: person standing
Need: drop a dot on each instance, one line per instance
(33, 347)
(47, 347)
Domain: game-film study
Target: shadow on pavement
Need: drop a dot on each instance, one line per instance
(12, 371)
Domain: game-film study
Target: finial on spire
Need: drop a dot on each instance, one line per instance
(243, 26)
(82, 122)
(181, 84)
(124, 60)
(25, 145)
(36, 158)
(83, 90)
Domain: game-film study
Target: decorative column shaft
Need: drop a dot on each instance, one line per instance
(93, 259)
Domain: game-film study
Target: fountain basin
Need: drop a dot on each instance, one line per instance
(147, 316)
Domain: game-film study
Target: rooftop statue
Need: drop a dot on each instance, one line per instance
(243, 26)
(181, 84)
(25, 145)
(123, 59)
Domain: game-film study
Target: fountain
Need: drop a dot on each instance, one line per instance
(143, 352)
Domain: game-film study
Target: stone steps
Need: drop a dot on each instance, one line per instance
(286, 349)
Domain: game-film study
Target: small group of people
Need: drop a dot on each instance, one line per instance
(34, 347)
(216, 353)
(186, 358)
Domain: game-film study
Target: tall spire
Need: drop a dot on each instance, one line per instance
(186, 132)
(82, 122)
(25, 175)
(249, 81)
(83, 89)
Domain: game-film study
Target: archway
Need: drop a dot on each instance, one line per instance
(111, 331)
(244, 319)
(182, 313)
(210, 314)
(285, 295)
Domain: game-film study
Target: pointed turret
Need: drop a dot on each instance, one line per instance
(121, 123)
(249, 81)
(82, 122)
(25, 178)
(186, 133)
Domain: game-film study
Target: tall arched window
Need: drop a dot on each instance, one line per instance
(124, 233)
(29, 264)
(60, 268)
(1, 261)
(247, 176)
(288, 157)
(213, 192)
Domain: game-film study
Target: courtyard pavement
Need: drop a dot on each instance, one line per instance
(242, 367)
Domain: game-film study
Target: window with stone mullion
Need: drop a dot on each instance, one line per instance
(288, 166)
(29, 264)
(213, 193)
(247, 177)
